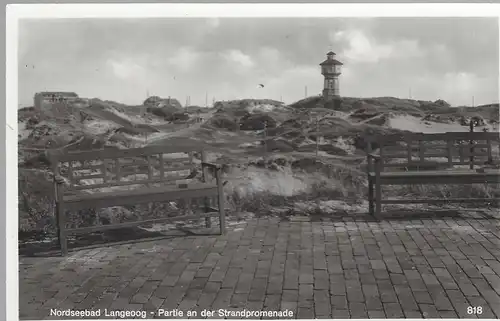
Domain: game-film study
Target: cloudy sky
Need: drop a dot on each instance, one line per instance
(125, 59)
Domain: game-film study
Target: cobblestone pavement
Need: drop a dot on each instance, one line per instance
(432, 268)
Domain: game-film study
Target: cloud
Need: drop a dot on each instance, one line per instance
(213, 22)
(291, 83)
(184, 59)
(272, 62)
(461, 86)
(460, 81)
(270, 55)
(452, 82)
(362, 48)
(238, 57)
(458, 88)
(126, 69)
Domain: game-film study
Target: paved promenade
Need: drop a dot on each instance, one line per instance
(343, 268)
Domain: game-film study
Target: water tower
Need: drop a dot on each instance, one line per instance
(331, 70)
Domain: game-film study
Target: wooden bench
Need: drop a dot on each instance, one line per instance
(443, 158)
(90, 179)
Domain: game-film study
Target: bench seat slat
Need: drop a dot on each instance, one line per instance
(438, 153)
(456, 172)
(154, 161)
(432, 165)
(169, 179)
(168, 160)
(177, 169)
(435, 137)
(435, 146)
(437, 201)
(113, 153)
(87, 167)
(90, 229)
(451, 177)
(138, 196)
(83, 177)
(425, 165)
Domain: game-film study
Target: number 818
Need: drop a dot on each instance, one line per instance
(474, 310)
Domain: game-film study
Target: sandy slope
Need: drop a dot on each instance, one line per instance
(415, 124)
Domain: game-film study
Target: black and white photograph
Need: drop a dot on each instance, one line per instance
(254, 161)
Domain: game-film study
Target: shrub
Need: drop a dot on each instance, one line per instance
(222, 121)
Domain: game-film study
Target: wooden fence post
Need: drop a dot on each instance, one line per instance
(206, 200)
(265, 137)
(471, 142)
(317, 137)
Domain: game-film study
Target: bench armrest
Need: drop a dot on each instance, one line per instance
(212, 165)
(492, 162)
(59, 179)
(374, 156)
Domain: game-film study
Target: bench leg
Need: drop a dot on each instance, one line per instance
(220, 201)
(61, 229)
(222, 213)
(370, 197)
(378, 199)
(208, 221)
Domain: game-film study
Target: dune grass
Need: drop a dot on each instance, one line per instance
(350, 186)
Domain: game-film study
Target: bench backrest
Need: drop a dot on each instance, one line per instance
(88, 170)
(431, 151)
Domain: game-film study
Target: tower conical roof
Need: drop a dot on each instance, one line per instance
(331, 62)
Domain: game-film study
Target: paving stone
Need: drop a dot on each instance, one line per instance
(422, 297)
(406, 298)
(373, 303)
(305, 313)
(275, 285)
(222, 299)
(440, 299)
(322, 304)
(290, 295)
(306, 292)
(321, 280)
(378, 264)
(205, 300)
(430, 279)
(367, 278)
(272, 302)
(254, 305)
(386, 290)
(231, 278)
(290, 306)
(376, 314)
(358, 310)
(393, 310)
(412, 314)
(212, 287)
(448, 315)
(381, 274)
(239, 300)
(398, 279)
(341, 314)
